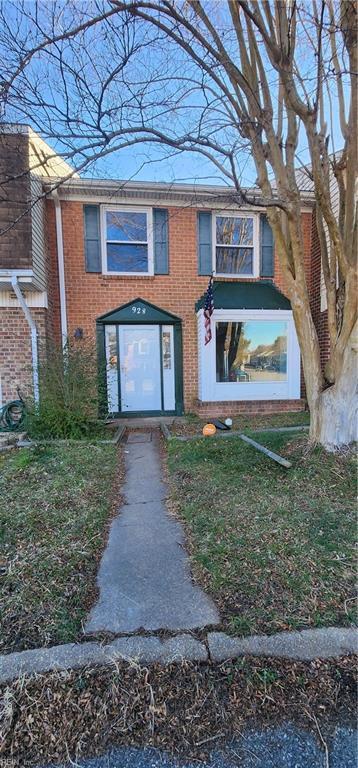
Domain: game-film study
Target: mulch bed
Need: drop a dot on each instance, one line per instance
(185, 708)
(193, 426)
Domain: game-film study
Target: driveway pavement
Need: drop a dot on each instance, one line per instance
(285, 746)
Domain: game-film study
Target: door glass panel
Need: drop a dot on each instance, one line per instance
(167, 352)
(251, 351)
(168, 367)
(112, 368)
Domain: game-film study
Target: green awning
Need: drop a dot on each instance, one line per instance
(261, 294)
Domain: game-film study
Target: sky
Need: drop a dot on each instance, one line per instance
(141, 162)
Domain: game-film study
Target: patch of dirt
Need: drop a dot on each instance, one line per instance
(182, 708)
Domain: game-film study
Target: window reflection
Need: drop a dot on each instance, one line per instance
(234, 245)
(251, 351)
(127, 241)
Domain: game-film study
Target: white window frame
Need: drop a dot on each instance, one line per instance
(211, 390)
(150, 245)
(255, 243)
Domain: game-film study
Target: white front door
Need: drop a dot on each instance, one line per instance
(139, 357)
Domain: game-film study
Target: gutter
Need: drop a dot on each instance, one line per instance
(31, 322)
(196, 194)
(61, 267)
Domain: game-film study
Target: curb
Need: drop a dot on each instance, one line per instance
(304, 645)
(307, 645)
(143, 650)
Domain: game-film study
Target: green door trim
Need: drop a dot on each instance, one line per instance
(152, 316)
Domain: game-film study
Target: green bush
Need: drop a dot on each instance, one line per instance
(69, 393)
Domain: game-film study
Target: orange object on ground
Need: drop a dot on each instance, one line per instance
(209, 430)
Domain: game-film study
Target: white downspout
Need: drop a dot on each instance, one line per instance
(61, 267)
(34, 350)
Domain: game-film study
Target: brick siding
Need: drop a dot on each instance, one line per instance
(15, 350)
(15, 242)
(235, 407)
(90, 295)
(15, 334)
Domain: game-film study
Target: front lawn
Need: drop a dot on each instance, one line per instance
(55, 505)
(273, 546)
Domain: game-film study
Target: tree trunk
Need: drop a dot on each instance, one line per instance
(334, 415)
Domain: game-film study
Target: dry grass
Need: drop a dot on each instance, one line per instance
(53, 526)
(180, 708)
(274, 547)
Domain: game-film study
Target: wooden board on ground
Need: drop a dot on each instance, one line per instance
(270, 454)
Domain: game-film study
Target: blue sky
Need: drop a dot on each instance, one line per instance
(169, 71)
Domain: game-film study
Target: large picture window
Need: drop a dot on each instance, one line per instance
(127, 241)
(234, 245)
(252, 351)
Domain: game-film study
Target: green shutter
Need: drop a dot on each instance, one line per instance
(266, 248)
(160, 237)
(205, 253)
(92, 238)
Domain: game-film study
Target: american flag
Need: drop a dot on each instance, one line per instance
(208, 310)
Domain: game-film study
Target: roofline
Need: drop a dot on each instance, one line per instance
(121, 188)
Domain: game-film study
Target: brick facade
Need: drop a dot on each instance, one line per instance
(90, 295)
(15, 350)
(15, 217)
(16, 253)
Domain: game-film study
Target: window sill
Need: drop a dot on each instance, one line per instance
(235, 277)
(121, 276)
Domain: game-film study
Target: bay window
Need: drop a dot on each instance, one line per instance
(253, 355)
(252, 351)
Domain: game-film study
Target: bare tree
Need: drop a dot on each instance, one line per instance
(273, 80)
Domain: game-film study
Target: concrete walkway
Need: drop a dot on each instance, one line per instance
(144, 578)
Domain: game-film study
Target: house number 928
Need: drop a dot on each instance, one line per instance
(139, 310)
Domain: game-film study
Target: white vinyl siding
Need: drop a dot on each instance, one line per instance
(37, 232)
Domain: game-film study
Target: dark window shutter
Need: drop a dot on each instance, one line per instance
(92, 238)
(267, 248)
(205, 253)
(160, 237)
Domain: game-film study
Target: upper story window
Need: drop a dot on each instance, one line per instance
(127, 241)
(236, 250)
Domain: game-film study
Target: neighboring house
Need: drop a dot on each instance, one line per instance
(129, 262)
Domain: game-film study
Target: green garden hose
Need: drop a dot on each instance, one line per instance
(12, 416)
